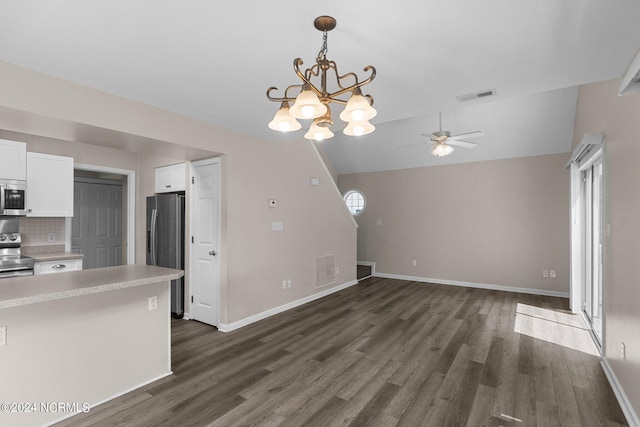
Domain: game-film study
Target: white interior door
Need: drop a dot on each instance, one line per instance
(205, 280)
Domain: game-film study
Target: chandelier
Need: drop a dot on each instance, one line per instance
(312, 103)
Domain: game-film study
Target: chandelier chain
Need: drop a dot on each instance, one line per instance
(322, 54)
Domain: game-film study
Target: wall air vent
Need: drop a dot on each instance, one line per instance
(325, 271)
(476, 95)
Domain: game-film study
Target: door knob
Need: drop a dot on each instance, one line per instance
(212, 253)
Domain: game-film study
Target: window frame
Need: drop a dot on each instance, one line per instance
(348, 193)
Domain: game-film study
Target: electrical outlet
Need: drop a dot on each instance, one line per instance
(623, 351)
(284, 284)
(552, 274)
(289, 283)
(545, 273)
(51, 237)
(414, 262)
(153, 302)
(3, 336)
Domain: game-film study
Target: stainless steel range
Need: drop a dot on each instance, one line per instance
(12, 262)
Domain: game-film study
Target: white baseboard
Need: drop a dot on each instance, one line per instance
(228, 327)
(625, 404)
(476, 285)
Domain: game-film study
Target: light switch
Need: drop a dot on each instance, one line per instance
(378, 222)
(314, 181)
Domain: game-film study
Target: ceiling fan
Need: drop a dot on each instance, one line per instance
(443, 141)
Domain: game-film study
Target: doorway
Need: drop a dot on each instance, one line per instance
(204, 285)
(128, 180)
(588, 233)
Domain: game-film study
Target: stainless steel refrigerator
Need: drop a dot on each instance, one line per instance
(165, 241)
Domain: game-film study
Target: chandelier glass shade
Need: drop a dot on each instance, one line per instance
(284, 121)
(313, 100)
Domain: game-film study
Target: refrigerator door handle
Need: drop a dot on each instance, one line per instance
(154, 236)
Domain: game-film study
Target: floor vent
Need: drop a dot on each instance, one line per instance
(476, 95)
(325, 271)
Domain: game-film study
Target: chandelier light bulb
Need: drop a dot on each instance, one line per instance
(308, 111)
(318, 133)
(358, 108)
(357, 115)
(360, 128)
(283, 121)
(307, 105)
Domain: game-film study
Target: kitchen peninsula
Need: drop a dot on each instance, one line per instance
(73, 340)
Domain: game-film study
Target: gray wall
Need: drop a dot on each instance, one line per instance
(498, 222)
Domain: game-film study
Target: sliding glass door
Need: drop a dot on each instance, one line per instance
(592, 207)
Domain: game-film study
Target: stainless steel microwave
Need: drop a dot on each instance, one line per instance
(13, 198)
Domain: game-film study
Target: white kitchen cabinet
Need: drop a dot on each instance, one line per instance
(59, 266)
(13, 160)
(49, 185)
(169, 179)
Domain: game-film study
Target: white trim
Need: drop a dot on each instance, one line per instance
(364, 200)
(623, 400)
(192, 167)
(585, 148)
(334, 184)
(131, 206)
(228, 327)
(115, 396)
(369, 263)
(476, 285)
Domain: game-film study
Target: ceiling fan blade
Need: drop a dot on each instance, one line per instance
(458, 143)
(411, 145)
(466, 135)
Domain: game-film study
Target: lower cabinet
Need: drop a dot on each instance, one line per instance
(48, 267)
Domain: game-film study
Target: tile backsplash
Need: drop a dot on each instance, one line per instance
(36, 231)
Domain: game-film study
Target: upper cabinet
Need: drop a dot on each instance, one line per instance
(49, 185)
(170, 178)
(13, 163)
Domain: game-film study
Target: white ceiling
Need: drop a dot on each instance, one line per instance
(215, 60)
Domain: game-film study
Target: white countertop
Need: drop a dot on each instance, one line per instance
(54, 256)
(21, 291)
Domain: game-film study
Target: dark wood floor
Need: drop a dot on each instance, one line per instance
(382, 353)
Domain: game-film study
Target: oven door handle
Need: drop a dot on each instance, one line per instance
(16, 273)
(2, 188)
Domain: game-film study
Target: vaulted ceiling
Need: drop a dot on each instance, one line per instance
(215, 60)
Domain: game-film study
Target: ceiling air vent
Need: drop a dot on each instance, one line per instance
(476, 95)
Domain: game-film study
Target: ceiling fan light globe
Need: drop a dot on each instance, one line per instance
(307, 106)
(441, 150)
(358, 109)
(359, 128)
(283, 121)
